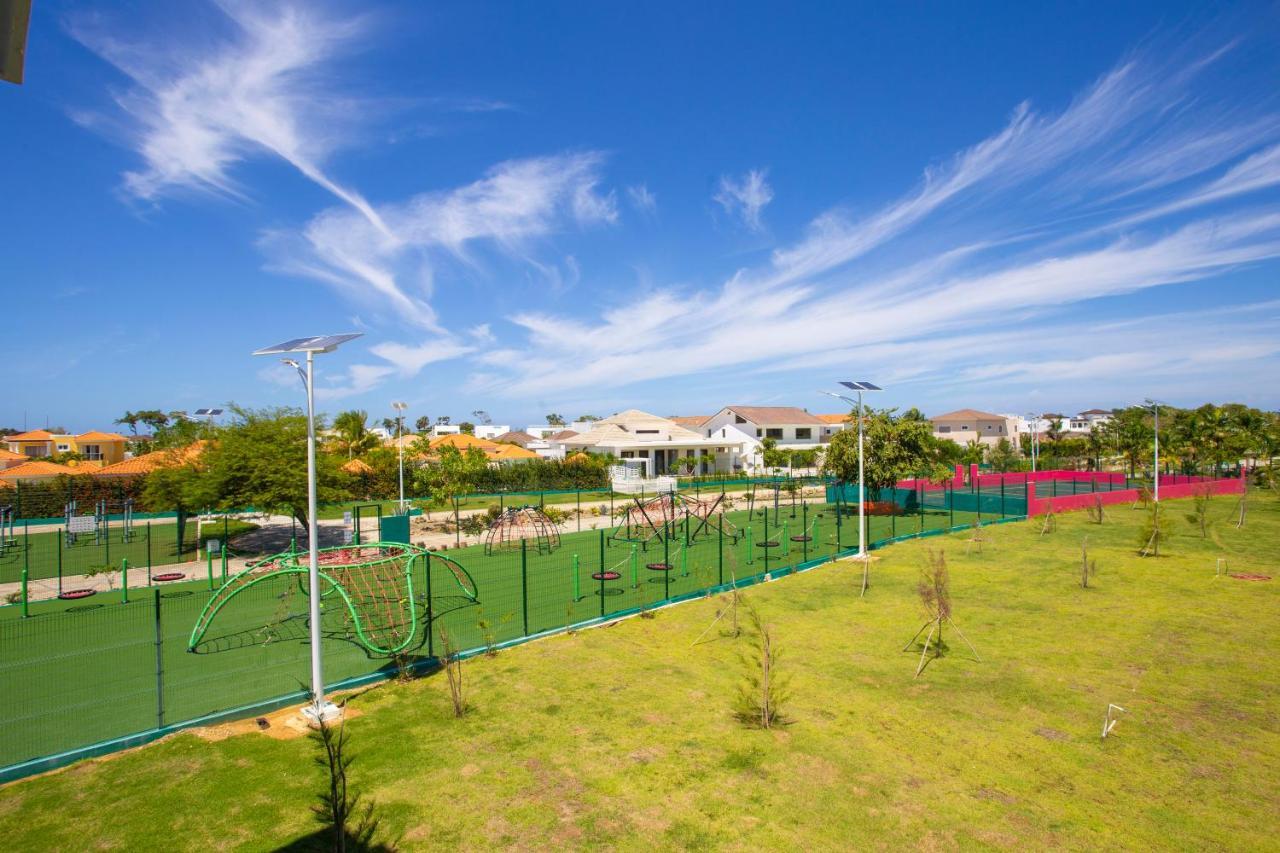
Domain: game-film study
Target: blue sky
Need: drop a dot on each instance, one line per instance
(586, 207)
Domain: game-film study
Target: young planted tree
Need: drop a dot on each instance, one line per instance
(1155, 530)
(339, 810)
(1199, 515)
(1097, 514)
(763, 691)
(1088, 567)
(452, 667)
(934, 590)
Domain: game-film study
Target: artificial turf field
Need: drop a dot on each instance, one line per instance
(623, 737)
(76, 673)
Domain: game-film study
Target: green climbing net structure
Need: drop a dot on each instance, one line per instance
(373, 583)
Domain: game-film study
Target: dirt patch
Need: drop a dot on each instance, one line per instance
(1052, 734)
(285, 724)
(1245, 576)
(985, 793)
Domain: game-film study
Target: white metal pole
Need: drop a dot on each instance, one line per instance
(1156, 409)
(313, 548)
(400, 443)
(862, 532)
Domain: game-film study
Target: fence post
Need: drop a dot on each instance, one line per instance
(26, 546)
(524, 583)
(720, 548)
(209, 557)
(124, 581)
(951, 507)
(155, 599)
(106, 539)
(25, 597)
(979, 479)
(578, 497)
(457, 522)
(224, 560)
(577, 583)
(61, 536)
(804, 531)
(148, 553)
(666, 561)
(430, 626)
(1002, 496)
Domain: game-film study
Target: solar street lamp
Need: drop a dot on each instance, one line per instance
(319, 710)
(1035, 438)
(1155, 475)
(860, 387)
(400, 407)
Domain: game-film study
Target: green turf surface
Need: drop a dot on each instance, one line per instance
(623, 737)
(80, 672)
(46, 554)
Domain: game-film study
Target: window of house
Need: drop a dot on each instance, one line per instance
(90, 451)
(739, 419)
(804, 432)
(628, 454)
(646, 432)
(773, 432)
(944, 429)
(759, 432)
(63, 448)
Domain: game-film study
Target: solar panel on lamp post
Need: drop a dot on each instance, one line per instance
(319, 710)
(400, 407)
(1035, 439)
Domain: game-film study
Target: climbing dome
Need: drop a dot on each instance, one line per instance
(526, 523)
(371, 584)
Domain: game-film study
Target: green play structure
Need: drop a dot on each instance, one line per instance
(374, 582)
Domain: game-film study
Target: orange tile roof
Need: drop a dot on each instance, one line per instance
(357, 466)
(36, 468)
(148, 462)
(510, 451)
(33, 435)
(461, 441)
(9, 454)
(833, 419)
(93, 435)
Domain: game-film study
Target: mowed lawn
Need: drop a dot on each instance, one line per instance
(623, 737)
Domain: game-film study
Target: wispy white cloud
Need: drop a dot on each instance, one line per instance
(745, 198)
(514, 206)
(261, 91)
(989, 239)
(643, 200)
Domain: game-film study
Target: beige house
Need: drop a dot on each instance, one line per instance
(965, 425)
(659, 442)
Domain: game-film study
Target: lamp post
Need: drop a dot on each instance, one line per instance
(319, 710)
(400, 407)
(1035, 438)
(1155, 474)
(860, 387)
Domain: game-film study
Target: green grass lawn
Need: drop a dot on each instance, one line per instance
(623, 737)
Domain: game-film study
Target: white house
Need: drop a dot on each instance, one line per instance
(1085, 421)
(791, 427)
(445, 429)
(656, 444)
(491, 431)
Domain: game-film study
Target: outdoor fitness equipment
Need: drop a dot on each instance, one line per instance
(7, 537)
(660, 518)
(374, 582)
(99, 523)
(522, 524)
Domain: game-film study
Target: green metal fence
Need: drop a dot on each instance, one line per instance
(87, 677)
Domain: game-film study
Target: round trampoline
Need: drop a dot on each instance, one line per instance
(74, 594)
(768, 544)
(168, 576)
(801, 538)
(658, 567)
(605, 576)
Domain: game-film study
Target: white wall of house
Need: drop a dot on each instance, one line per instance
(790, 436)
(445, 429)
(488, 431)
(543, 430)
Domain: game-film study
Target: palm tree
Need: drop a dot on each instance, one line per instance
(353, 433)
(130, 418)
(422, 424)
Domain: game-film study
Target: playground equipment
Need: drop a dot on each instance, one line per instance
(8, 539)
(663, 517)
(517, 524)
(373, 582)
(99, 522)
